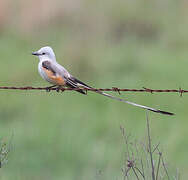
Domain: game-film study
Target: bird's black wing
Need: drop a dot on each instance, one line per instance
(75, 83)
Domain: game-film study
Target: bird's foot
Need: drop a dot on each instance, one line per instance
(58, 88)
(48, 89)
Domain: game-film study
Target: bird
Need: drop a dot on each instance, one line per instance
(51, 71)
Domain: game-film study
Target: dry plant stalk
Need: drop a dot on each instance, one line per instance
(143, 160)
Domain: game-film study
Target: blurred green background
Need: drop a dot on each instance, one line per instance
(121, 43)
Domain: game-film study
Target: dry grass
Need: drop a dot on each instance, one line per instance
(5, 149)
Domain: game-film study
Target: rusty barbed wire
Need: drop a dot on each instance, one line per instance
(114, 89)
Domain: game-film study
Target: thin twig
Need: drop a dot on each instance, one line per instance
(142, 168)
(155, 147)
(126, 170)
(145, 149)
(177, 174)
(126, 141)
(141, 162)
(158, 165)
(165, 168)
(135, 173)
(140, 172)
(126, 173)
(150, 151)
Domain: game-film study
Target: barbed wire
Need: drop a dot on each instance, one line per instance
(115, 89)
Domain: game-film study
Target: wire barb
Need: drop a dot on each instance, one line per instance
(117, 90)
(181, 91)
(148, 90)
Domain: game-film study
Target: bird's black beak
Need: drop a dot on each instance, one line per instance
(35, 53)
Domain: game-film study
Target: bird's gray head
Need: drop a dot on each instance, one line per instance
(45, 53)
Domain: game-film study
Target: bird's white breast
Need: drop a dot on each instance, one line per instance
(43, 74)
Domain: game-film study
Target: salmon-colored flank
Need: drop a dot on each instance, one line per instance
(58, 80)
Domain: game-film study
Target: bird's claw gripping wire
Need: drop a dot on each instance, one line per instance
(48, 89)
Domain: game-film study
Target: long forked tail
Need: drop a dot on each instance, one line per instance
(134, 104)
(78, 83)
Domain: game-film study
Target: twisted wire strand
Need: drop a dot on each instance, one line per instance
(113, 89)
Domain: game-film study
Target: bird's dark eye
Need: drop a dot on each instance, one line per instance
(43, 53)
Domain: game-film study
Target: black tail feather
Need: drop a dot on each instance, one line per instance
(81, 91)
(162, 112)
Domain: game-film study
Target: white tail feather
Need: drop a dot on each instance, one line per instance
(134, 104)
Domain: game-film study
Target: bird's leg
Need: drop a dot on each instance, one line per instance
(48, 89)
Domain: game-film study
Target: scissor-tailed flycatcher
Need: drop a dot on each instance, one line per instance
(57, 75)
